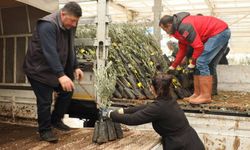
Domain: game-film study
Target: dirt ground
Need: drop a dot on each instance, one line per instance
(225, 101)
(16, 137)
(234, 99)
(24, 137)
(11, 132)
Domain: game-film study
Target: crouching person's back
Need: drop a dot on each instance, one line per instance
(167, 118)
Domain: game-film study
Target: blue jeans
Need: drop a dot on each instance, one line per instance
(211, 48)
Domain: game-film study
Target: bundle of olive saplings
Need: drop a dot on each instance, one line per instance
(136, 58)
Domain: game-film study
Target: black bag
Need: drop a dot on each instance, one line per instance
(105, 130)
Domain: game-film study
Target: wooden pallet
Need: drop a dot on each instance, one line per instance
(82, 139)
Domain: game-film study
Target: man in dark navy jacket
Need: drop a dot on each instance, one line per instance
(207, 35)
(51, 65)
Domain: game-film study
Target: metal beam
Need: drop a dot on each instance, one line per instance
(231, 10)
(102, 41)
(239, 27)
(131, 14)
(210, 5)
(239, 19)
(15, 60)
(26, 49)
(228, 1)
(241, 34)
(157, 9)
(233, 30)
(15, 35)
(77, 1)
(4, 60)
(84, 41)
(218, 11)
(166, 8)
(1, 22)
(28, 18)
(190, 4)
(87, 20)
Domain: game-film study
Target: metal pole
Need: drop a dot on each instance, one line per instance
(102, 41)
(1, 22)
(157, 9)
(15, 60)
(4, 58)
(28, 18)
(26, 49)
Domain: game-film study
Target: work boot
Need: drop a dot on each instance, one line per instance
(205, 90)
(48, 136)
(214, 87)
(196, 89)
(61, 126)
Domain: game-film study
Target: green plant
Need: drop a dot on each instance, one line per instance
(105, 81)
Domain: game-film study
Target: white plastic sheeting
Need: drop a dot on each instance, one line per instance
(235, 12)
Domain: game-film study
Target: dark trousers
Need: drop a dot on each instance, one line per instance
(223, 60)
(43, 94)
(213, 64)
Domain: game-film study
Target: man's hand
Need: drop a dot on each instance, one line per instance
(66, 83)
(78, 74)
(189, 69)
(171, 70)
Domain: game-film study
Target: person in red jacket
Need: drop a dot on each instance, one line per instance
(207, 35)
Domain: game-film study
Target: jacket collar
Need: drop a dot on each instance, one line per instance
(178, 19)
(58, 16)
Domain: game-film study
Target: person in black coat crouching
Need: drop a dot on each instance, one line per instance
(167, 118)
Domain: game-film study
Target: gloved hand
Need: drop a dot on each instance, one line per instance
(120, 111)
(189, 69)
(105, 113)
(171, 70)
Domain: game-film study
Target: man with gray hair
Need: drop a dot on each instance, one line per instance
(51, 65)
(173, 46)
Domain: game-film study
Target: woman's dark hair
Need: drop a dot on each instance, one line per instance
(165, 20)
(162, 83)
(73, 8)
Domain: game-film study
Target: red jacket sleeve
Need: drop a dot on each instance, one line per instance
(180, 54)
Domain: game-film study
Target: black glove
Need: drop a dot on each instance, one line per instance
(171, 72)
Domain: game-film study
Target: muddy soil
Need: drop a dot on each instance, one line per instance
(13, 132)
(232, 101)
(24, 137)
(15, 137)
